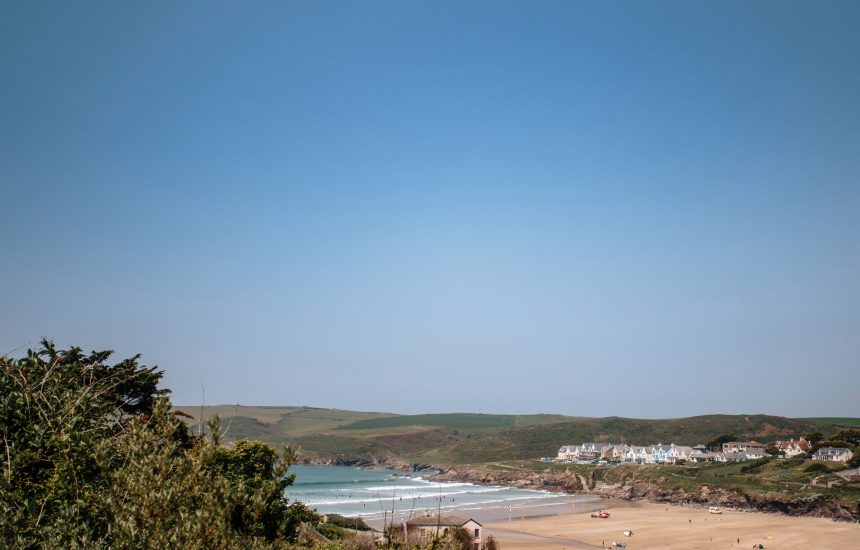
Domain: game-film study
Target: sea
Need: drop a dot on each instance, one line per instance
(373, 494)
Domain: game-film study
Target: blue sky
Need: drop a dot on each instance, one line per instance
(645, 209)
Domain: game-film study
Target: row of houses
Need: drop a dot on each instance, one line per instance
(619, 452)
(732, 451)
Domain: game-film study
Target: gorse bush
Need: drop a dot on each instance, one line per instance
(94, 457)
(816, 467)
(346, 522)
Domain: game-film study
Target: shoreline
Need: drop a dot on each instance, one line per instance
(633, 490)
(671, 526)
(493, 514)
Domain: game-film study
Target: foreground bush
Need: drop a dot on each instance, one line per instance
(93, 457)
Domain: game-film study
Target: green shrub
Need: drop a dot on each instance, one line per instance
(94, 458)
(331, 531)
(816, 467)
(357, 524)
(754, 465)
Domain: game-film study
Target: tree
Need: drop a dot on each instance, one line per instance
(57, 409)
(491, 544)
(94, 457)
(459, 539)
(813, 437)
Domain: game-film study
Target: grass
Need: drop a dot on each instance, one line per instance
(835, 421)
(454, 421)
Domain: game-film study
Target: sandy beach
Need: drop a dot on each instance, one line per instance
(657, 526)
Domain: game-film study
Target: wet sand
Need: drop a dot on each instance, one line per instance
(657, 526)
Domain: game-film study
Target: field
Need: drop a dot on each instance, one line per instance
(461, 438)
(836, 421)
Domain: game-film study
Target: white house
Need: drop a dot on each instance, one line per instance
(637, 455)
(678, 452)
(700, 456)
(833, 454)
(660, 452)
(793, 447)
(566, 453)
(754, 454)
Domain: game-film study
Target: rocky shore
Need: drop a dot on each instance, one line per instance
(816, 505)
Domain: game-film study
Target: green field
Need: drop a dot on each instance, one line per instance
(465, 438)
(456, 421)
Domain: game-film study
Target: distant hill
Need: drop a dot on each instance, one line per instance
(459, 438)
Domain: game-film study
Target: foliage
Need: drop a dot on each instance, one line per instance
(752, 466)
(814, 437)
(94, 457)
(331, 531)
(816, 467)
(258, 468)
(347, 522)
(57, 410)
(459, 539)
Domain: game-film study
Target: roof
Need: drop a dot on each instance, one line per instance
(833, 450)
(801, 444)
(441, 521)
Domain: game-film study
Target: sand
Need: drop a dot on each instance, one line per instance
(664, 527)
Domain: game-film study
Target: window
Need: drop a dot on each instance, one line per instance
(477, 533)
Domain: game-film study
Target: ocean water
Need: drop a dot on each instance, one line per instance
(371, 493)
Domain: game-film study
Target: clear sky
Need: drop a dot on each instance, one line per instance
(645, 209)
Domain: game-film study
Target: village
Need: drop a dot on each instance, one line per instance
(730, 451)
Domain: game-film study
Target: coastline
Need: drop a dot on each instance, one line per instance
(635, 490)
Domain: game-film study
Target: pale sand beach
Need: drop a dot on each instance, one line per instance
(657, 526)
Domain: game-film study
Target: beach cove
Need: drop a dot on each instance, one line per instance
(378, 495)
(657, 526)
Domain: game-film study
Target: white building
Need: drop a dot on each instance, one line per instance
(637, 455)
(793, 447)
(833, 454)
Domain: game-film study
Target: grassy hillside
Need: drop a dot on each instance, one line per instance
(836, 421)
(457, 421)
(460, 438)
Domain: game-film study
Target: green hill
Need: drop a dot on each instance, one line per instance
(456, 421)
(459, 438)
